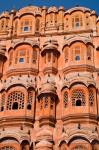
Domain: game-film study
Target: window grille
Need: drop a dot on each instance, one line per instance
(77, 96)
(15, 98)
(91, 97)
(65, 99)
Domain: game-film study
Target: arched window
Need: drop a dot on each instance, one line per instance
(65, 99)
(26, 25)
(15, 100)
(7, 148)
(2, 102)
(77, 21)
(20, 56)
(91, 97)
(30, 99)
(37, 24)
(78, 97)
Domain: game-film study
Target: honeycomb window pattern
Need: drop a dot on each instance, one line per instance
(65, 99)
(8, 148)
(52, 102)
(30, 98)
(91, 97)
(78, 95)
(45, 102)
(2, 102)
(15, 97)
(41, 104)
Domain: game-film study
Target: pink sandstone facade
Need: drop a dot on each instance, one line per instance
(49, 79)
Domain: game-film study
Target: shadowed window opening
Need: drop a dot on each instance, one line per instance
(77, 58)
(29, 106)
(78, 103)
(2, 108)
(21, 60)
(26, 28)
(15, 106)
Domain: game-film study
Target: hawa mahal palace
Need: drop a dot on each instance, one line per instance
(49, 79)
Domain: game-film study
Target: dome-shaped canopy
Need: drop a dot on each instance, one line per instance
(52, 9)
(49, 46)
(77, 8)
(47, 88)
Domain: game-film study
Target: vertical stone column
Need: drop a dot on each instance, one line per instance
(12, 13)
(2, 58)
(43, 19)
(93, 20)
(61, 18)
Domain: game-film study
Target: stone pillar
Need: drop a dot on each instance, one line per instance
(12, 13)
(61, 18)
(2, 58)
(93, 20)
(43, 19)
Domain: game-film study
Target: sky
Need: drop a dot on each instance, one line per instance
(10, 4)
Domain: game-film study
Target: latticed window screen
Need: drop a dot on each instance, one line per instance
(78, 95)
(37, 25)
(26, 25)
(41, 103)
(49, 57)
(7, 148)
(77, 21)
(46, 102)
(54, 58)
(91, 97)
(65, 99)
(30, 99)
(2, 102)
(10, 58)
(16, 26)
(28, 54)
(77, 53)
(34, 57)
(52, 102)
(89, 53)
(22, 52)
(15, 98)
